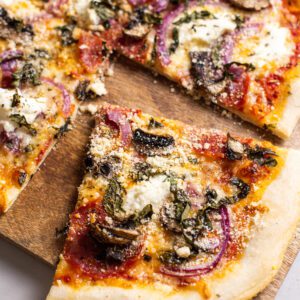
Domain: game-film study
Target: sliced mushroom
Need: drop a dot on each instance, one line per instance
(206, 72)
(113, 235)
(168, 219)
(152, 144)
(234, 149)
(251, 4)
(138, 31)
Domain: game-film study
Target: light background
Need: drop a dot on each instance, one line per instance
(23, 277)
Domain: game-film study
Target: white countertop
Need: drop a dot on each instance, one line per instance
(23, 277)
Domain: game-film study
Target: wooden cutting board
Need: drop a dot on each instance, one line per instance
(43, 207)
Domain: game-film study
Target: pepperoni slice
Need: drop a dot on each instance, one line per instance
(211, 145)
(237, 88)
(83, 253)
(90, 52)
(271, 85)
(133, 48)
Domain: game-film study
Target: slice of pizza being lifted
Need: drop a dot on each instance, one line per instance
(242, 55)
(169, 211)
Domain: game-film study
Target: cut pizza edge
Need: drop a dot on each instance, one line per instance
(280, 118)
(289, 119)
(10, 196)
(283, 128)
(56, 74)
(254, 271)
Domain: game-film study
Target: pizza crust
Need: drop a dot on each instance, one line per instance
(264, 253)
(291, 113)
(262, 259)
(12, 194)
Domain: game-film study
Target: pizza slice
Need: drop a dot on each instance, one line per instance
(169, 211)
(45, 66)
(242, 55)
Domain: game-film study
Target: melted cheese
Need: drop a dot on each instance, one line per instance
(274, 45)
(82, 9)
(20, 8)
(28, 107)
(98, 87)
(199, 35)
(154, 191)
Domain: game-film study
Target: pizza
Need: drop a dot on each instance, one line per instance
(46, 69)
(241, 55)
(170, 211)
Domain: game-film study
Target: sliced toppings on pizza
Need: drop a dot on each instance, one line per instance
(162, 206)
(225, 51)
(46, 62)
(14, 28)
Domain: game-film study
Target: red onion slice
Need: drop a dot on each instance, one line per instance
(200, 269)
(156, 5)
(66, 96)
(10, 54)
(161, 46)
(117, 117)
(9, 138)
(54, 7)
(230, 39)
(8, 65)
(39, 17)
(8, 68)
(160, 5)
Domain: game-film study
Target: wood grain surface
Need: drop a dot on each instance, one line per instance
(43, 207)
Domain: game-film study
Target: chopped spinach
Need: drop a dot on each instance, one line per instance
(144, 214)
(239, 21)
(113, 198)
(154, 124)
(66, 34)
(22, 122)
(63, 129)
(150, 18)
(16, 100)
(105, 9)
(170, 258)
(195, 15)
(262, 156)
(174, 45)
(15, 24)
(142, 171)
(28, 75)
(142, 16)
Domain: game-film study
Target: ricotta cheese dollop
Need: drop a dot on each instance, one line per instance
(274, 44)
(27, 107)
(154, 191)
